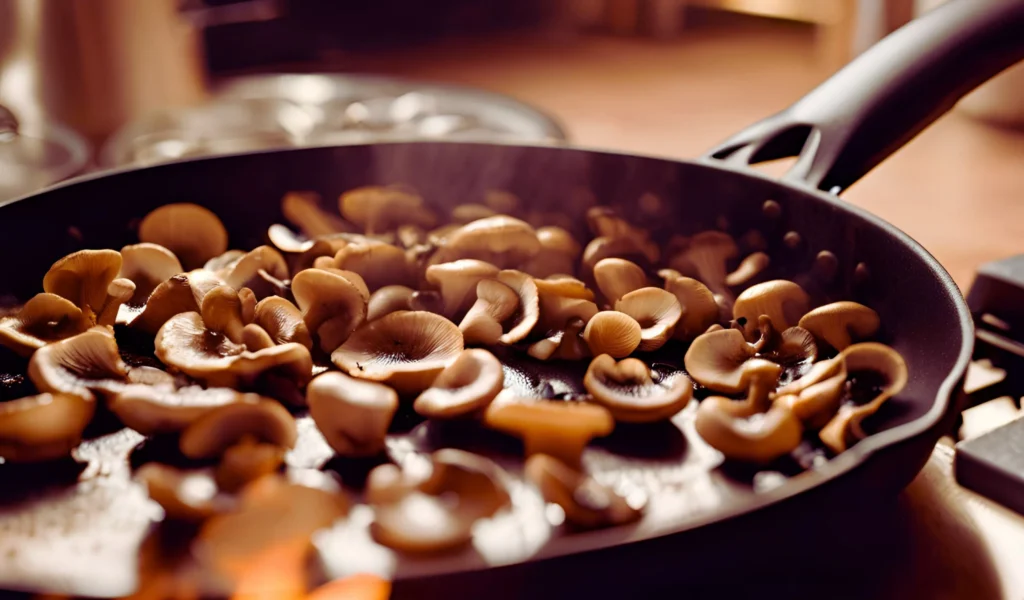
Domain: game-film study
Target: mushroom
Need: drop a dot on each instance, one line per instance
(288, 241)
(839, 324)
(656, 310)
(43, 319)
(782, 301)
(506, 309)
(436, 513)
(717, 360)
(457, 281)
(410, 236)
(377, 263)
(282, 321)
(42, 427)
(558, 253)
(585, 502)
(559, 240)
(603, 221)
(700, 310)
(706, 257)
(256, 338)
(387, 300)
(303, 210)
(79, 365)
(221, 310)
(750, 267)
(861, 359)
(224, 426)
(150, 376)
(261, 270)
(465, 387)
(612, 332)
(84, 278)
(630, 395)
(247, 461)
(153, 409)
(760, 438)
(563, 344)
(379, 209)
(562, 300)
(179, 294)
(466, 213)
(147, 266)
(560, 429)
(617, 277)
(193, 233)
(601, 248)
(186, 496)
(356, 279)
(119, 292)
(503, 241)
(332, 305)
(815, 397)
(185, 343)
(352, 414)
(405, 350)
(794, 349)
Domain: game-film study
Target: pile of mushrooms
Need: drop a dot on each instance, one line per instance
(390, 303)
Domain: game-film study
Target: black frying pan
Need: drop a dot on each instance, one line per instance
(82, 538)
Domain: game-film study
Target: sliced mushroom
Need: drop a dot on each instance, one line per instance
(80, 365)
(868, 357)
(782, 301)
(153, 409)
(353, 415)
(45, 318)
(303, 210)
(586, 503)
(282, 321)
(193, 233)
(405, 350)
(147, 266)
(387, 300)
(563, 344)
(332, 306)
(465, 387)
(560, 429)
(706, 258)
(840, 324)
(617, 277)
(457, 282)
(377, 263)
(186, 496)
(630, 395)
(613, 333)
(717, 360)
(815, 397)
(252, 416)
(749, 268)
(760, 438)
(700, 310)
(380, 209)
(42, 427)
(247, 461)
(84, 278)
(503, 241)
(179, 294)
(656, 310)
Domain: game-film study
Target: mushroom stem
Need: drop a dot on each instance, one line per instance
(222, 313)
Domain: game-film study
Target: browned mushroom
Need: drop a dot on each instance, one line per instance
(252, 416)
(562, 344)
(377, 263)
(379, 209)
(586, 503)
(612, 332)
(457, 282)
(282, 321)
(706, 258)
(45, 318)
(352, 414)
(617, 277)
(179, 294)
(629, 393)
(80, 365)
(42, 427)
(784, 302)
(839, 324)
(153, 409)
(502, 241)
(147, 266)
(560, 429)
(465, 387)
(700, 310)
(303, 210)
(191, 232)
(332, 305)
(657, 312)
(717, 360)
(84, 278)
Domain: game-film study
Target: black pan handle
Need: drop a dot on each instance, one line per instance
(886, 96)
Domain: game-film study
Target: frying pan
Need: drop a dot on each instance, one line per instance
(81, 537)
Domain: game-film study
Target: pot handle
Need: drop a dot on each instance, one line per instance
(886, 96)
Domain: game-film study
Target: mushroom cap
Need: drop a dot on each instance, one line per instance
(287, 241)
(377, 208)
(717, 360)
(377, 263)
(524, 319)
(79, 365)
(185, 496)
(465, 387)
(147, 266)
(405, 349)
(43, 319)
(503, 241)
(586, 503)
(563, 344)
(245, 270)
(562, 300)
(617, 277)
(246, 462)
(840, 323)
(185, 344)
(700, 310)
(153, 409)
(457, 282)
(612, 332)
(387, 300)
(759, 439)
(628, 392)
(83, 278)
(815, 397)
(283, 321)
(42, 427)
(706, 257)
(193, 233)
(352, 414)
(224, 426)
(221, 310)
(557, 239)
(784, 302)
(795, 350)
(332, 305)
(495, 304)
(560, 429)
(656, 310)
(603, 247)
(303, 210)
(563, 286)
(179, 294)
(749, 268)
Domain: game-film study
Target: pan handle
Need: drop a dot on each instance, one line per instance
(883, 98)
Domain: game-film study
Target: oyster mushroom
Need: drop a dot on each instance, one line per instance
(562, 300)
(457, 282)
(288, 241)
(749, 268)
(252, 416)
(717, 360)
(119, 292)
(617, 277)
(465, 387)
(763, 376)
(860, 359)
(613, 333)
(656, 310)
(84, 278)
(626, 389)
(586, 503)
(700, 310)
(256, 338)
(436, 513)
(43, 319)
(79, 365)
(601, 248)
(387, 300)
(193, 233)
(839, 324)
(261, 270)
(503, 241)
(563, 344)
(221, 310)
(379, 209)
(782, 301)
(352, 414)
(153, 409)
(147, 266)
(245, 462)
(794, 349)
(558, 253)
(815, 397)
(559, 429)
(282, 321)
(405, 350)
(179, 294)
(303, 210)
(706, 258)
(332, 305)
(186, 496)
(506, 309)
(377, 263)
(760, 438)
(42, 427)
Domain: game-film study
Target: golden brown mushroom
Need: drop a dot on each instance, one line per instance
(717, 360)
(119, 292)
(377, 263)
(558, 253)
(560, 429)
(562, 344)
(815, 397)
(79, 365)
(601, 248)
(153, 409)
(387, 300)
(252, 416)
(405, 350)
(84, 278)
(612, 332)
(465, 387)
(42, 427)
(179, 294)
(282, 321)
(457, 282)
(503, 241)
(586, 503)
(782, 301)
(629, 393)
(303, 210)
(700, 310)
(656, 310)
(352, 414)
(379, 209)
(760, 438)
(332, 305)
(617, 277)
(245, 462)
(260, 270)
(506, 310)
(563, 299)
(840, 324)
(45, 318)
(191, 497)
(191, 232)
(147, 266)
(749, 268)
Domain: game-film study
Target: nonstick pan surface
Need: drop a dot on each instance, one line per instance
(76, 526)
